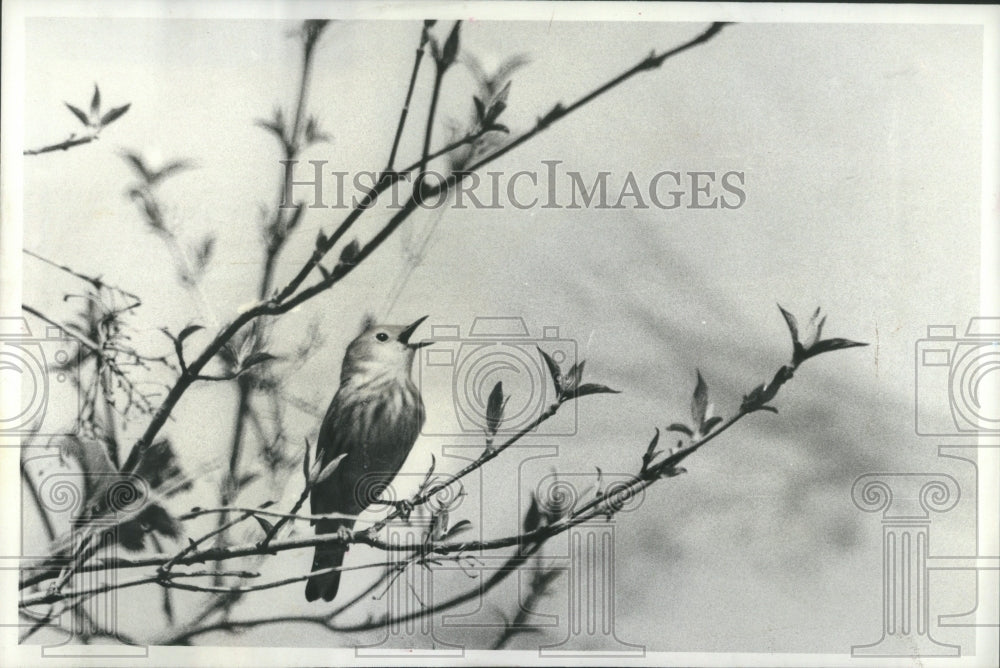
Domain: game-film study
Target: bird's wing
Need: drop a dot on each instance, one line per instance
(376, 436)
(335, 434)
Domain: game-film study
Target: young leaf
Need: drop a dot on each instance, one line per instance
(498, 104)
(95, 102)
(435, 49)
(139, 165)
(459, 527)
(246, 479)
(328, 469)
(710, 424)
(793, 325)
(651, 451)
(699, 402)
(203, 252)
(651, 448)
(314, 470)
(256, 358)
(82, 117)
(480, 110)
(178, 349)
(592, 388)
(554, 113)
(533, 516)
(574, 377)
(682, 428)
(815, 330)
(494, 408)
(169, 169)
(349, 256)
(501, 97)
(495, 110)
(450, 50)
(188, 331)
(305, 461)
(553, 370)
(272, 127)
(114, 114)
(828, 345)
(264, 524)
(752, 398)
(313, 134)
(430, 472)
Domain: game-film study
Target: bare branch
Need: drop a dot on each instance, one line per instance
(64, 145)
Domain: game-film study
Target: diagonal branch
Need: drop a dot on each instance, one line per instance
(64, 145)
(283, 301)
(424, 37)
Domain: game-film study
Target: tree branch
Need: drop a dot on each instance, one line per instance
(64, 145)
(424, 37)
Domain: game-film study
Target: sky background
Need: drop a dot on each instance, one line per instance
(860, 146)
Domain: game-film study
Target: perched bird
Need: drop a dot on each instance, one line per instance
(374, 420)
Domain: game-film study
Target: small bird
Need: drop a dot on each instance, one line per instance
(374, 419)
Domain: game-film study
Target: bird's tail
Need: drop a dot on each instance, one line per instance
(325, 586)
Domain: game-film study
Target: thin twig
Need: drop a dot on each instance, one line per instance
(282, 521)
(79, 338)
(502, 573)
(278, 237)
(439, 73)
(268, 513)
(373, 193)
(167, 579)
(487, 456)
(283, 301)
(193, 545)
(95, 281)
(424, 37)
(64, 145)
(600, 506)
(163, 579)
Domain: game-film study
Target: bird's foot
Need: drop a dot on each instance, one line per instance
(345, 535)
(404, 508)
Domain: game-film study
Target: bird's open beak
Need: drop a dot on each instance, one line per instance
(404, 336)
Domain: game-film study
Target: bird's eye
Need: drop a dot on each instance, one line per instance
(382, 336)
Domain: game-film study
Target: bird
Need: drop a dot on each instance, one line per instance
(373, 421)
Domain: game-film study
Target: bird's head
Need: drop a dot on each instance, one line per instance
(382, 351)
